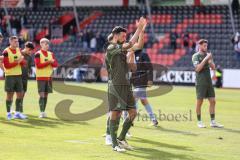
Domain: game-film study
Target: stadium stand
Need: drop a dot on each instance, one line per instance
(193, 22)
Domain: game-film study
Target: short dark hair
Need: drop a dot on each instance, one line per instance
(29, 44)
(12, 38)
(118, 29)
(202, 41)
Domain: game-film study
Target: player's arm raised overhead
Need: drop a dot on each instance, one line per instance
(199, 66)
(135, 36)
(140, 43)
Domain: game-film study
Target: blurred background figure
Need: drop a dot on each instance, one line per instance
(173, 39)
(218, 74)
(1, 38)
(236, 44)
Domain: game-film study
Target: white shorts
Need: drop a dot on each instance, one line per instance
(140, 93)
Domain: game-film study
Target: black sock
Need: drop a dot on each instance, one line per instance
(212, 116)
(199, 117)
(108, 123)
(21, 107)
(8, 105)
(45, 103)
(113, 127)
(126, 126)
(18, 103)
(41, 104)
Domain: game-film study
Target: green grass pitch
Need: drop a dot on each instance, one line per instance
(54, 139)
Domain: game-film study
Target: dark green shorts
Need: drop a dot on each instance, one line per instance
(44, 86)
(25, 83)
(120, 97)
(205, 92)
(13, 84)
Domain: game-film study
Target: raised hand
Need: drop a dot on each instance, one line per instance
(141, 22)
(137, 23)
(145, 25)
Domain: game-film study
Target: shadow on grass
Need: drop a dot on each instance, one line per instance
(54, 120)
(15, 123)
(35, 122)
(155, 154)
(169, 130)
(160, 144)
(229, 130)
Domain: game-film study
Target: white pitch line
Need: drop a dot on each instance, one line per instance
(77, 141)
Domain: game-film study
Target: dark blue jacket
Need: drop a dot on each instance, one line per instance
(144, 72)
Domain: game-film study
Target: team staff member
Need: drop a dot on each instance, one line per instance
(12, 62)
(44, 62)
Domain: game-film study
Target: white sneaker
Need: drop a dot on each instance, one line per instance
(108, 140)
(213, 123)
(200, 124)
(9, 116)
(19, 115)
(125, 145)
(119, 149)
(43, 115)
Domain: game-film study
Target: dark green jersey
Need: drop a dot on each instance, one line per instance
(203, 77)
(116, 62)
(26, 70)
